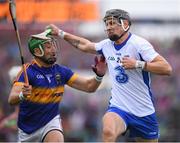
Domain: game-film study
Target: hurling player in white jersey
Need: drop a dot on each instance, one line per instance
(130, 59)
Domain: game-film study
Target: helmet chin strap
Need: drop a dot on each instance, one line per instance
(122, 25)
(125, 29)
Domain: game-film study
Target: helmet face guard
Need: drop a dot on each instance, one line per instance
(111, 21)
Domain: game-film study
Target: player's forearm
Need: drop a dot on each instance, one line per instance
(79, 43)
(92, 84)
(13, 99)
(160, 67)
(86, 84)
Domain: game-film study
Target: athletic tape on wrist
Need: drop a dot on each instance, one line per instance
(61, 34)
(98, 78)
(140, 64)
(21, 96)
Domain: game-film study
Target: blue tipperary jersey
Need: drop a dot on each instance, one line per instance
(47, 91)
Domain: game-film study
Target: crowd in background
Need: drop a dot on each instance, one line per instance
(82, 112)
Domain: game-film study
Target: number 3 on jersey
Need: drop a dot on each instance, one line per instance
(122, 77)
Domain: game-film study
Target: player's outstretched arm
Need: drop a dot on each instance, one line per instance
(78, 42)
(92, 83)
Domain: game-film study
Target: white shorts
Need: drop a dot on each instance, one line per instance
(38, 136)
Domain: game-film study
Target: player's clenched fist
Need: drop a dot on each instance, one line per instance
(54, 29)
(26, 91)
(128, 63)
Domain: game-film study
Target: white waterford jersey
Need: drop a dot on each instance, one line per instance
(130, 88)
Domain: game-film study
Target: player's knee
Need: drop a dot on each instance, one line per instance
(108, 134)
(54, 136)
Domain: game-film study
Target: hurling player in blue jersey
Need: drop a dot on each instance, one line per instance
(130, 59)
(39, 119)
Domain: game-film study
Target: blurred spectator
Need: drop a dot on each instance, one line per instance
(8, 125)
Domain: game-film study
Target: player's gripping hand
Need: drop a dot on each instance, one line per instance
(26, 91)
(128, 63)
(54, 29)
(100, 66)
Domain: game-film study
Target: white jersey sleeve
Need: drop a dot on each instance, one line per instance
(145, 49)
(99, 46)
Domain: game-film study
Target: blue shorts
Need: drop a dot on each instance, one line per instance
(143, 127)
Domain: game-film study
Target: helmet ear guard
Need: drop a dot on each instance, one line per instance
(35, 43)
(41, 50)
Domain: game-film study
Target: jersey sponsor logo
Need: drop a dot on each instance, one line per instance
(111, 58)
(121, 77)
(39, 76)
(117, 59)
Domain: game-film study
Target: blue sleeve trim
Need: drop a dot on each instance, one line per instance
(100, 52)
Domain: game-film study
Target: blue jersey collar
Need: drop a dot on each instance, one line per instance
(119, 46)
